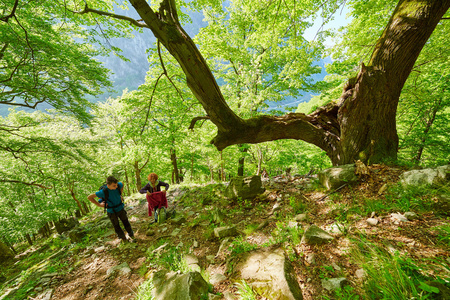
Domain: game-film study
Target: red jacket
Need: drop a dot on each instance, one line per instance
(156, 200)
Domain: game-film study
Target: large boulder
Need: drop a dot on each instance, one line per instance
(431, 176)
(269, 273)
(5, 253)
(335, 177)
(66, 224)
(244, 187)
(176, 286)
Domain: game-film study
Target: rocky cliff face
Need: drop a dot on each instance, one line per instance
(130, 74)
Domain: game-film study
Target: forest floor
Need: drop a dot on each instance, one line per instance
(420, 246)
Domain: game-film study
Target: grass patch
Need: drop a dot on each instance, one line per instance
(444, 234)
(168, 257)
(145, 291)
(298, 206)
(245, 291)
(393, 276)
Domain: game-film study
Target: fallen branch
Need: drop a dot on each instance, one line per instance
(323, 198)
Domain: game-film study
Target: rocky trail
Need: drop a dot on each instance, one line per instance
(295, 222)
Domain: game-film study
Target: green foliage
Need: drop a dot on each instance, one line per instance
(169, 257)
(297, 205)
(412, 198)
(283, 233)
(444, 234)
(240, 245)
(245, 291)
(325, 272)
(47, 57)
(249, 229)
(345, 293)
(145, 291)
(393, 276)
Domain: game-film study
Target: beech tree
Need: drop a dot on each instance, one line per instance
(361, 124)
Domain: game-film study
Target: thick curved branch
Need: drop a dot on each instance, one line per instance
(269, 128)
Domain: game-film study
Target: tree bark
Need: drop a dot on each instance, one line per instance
(77, 201)
(361, 125)
(243, 149)
(30, 242)
(137, 172)
(175, 174)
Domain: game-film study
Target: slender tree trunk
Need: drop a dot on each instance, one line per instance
(428, 126)
(192, 166)
(260, 159)
(137, 172)
(173, 158)
(77, 201)
(243, 149)
(30, 242)
(86, 207)
(222, 166)
(127, 180)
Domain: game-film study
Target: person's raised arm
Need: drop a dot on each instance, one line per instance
(92, 197)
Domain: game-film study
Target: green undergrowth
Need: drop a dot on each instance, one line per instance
(202, 195)
(396, 199)
(395, 275)
(49, 255)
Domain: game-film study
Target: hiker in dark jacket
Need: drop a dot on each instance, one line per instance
(153, 185)
(114, 206)
(155, 200)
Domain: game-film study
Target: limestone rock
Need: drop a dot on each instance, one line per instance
(226, 231)
(334, 283)
(411, 216)
(396, 217)
(360, 273)
(269, 273)
(217, 278)
(431, 176)
(300, 217)
(178, 219)
(372, 221)
(244, 187)
(46, 295)
(316, 236)
(335, 177)
(122, 269)
(173, 285)
(190, 259)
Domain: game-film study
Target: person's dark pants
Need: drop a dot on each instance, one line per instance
(122, 215)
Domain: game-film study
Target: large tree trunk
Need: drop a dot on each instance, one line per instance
(360, 126)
